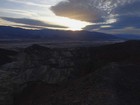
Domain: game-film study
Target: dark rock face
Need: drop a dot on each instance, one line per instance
(115, 84)
(72, 76)
(6, 56)
(6, 86)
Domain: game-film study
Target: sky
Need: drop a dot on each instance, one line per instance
(108, 16)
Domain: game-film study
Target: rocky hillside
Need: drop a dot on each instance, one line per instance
(6, 56)
(114, 84)
(38, 75)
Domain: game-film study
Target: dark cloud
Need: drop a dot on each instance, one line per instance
(75, 9)
(127, 16)
(127, 21)
(129, 9)
(31, 22)
(123, 21)
(90, 27)
(89, 10)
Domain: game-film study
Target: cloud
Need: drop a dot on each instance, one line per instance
(131, 9)
(31, 3)
(105, 15)
(112, 16)
(89, 10)
(105, 26)
(75, 10)
(101, 15)
(16, 13)
(127, 21)
(31, 22)
(125, 30)
(39, 3)
(122, 22)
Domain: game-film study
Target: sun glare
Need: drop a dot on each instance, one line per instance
(72, 24)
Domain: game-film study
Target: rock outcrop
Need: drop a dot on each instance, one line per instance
(50, 73)
(114, 84)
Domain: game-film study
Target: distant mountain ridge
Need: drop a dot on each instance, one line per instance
(129, 36)
(7, 32)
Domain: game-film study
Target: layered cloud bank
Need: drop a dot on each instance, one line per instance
(104, 14)
(89, 10)
(93, 15)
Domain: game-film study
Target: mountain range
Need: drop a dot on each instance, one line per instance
(129, 36)
(7, 32)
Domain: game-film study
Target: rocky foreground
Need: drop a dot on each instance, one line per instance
(37, 75)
